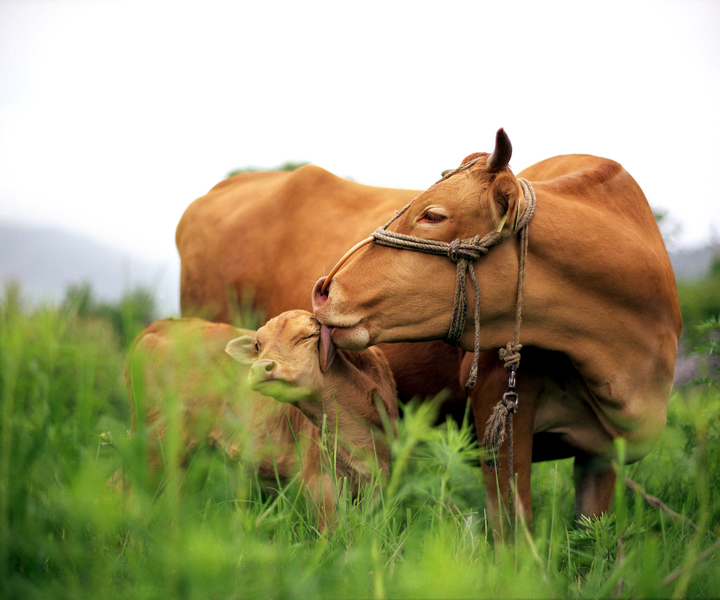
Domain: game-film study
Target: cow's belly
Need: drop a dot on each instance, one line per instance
(565, 418)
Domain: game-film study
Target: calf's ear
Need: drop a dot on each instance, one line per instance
(242, 349)
(326, 349)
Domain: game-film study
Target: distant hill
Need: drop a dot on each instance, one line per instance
(46, 261)
(694, 263)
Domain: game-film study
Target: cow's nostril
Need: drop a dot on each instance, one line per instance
(269, 366)
(318, 297)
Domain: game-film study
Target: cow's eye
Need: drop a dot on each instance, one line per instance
(432, 217)
(257, 347)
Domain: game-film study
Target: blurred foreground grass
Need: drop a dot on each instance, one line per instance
(64, 533)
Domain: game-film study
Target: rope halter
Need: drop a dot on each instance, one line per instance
(464, 253)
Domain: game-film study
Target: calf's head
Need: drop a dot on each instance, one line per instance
(383, 294)
(287, 356)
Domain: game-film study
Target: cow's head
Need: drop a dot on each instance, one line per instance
(385, 294)
(287, 356)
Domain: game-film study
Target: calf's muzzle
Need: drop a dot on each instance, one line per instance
(261, 370)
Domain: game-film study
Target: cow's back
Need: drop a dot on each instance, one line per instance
(268, 237)
(586, 180)
(617, 247)
(273, 235)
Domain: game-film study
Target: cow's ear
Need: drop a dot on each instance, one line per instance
(507, 199)
(242, 349)
(326, 349)
(501, 155)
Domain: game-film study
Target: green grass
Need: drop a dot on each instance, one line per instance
(421, 534)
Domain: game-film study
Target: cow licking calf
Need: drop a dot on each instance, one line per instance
(179, 368)
(572, 237)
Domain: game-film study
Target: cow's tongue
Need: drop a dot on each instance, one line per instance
(326, 334)
(326, 347)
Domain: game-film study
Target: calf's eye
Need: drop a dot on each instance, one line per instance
(308, 337)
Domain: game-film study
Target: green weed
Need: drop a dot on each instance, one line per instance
(421, 533)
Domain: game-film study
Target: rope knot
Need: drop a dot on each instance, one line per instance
(510, 354)
(452, 252)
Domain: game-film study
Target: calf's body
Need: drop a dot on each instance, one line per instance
(351, 395)
(179, 376)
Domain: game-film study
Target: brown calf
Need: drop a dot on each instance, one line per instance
(178, 367)
(294, 361)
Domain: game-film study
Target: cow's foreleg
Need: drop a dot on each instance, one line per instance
(594, 479)
(491, 385)
(497, 486)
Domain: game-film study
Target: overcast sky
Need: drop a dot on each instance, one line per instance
(115, 115)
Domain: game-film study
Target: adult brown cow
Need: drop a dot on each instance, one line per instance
(600, 315)
(269, 236)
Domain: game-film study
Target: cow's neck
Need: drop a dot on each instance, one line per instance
(457, 334)
(568, 291)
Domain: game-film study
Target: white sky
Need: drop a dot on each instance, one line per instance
(115, 115)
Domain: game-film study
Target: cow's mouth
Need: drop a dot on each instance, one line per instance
(355, 337)
(347, 332)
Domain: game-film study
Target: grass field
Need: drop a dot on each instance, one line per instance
(422, 534)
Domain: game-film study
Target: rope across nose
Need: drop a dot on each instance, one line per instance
(342, 261)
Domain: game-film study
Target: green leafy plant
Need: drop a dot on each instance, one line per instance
(420, 533)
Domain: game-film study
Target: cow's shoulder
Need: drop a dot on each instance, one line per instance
(310, 175)
(571, 169)
(316, 183)
(601, 185)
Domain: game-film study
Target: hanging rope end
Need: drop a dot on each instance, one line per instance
(495, 431)
(472, 378)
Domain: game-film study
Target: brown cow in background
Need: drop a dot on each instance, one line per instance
(267, 237)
